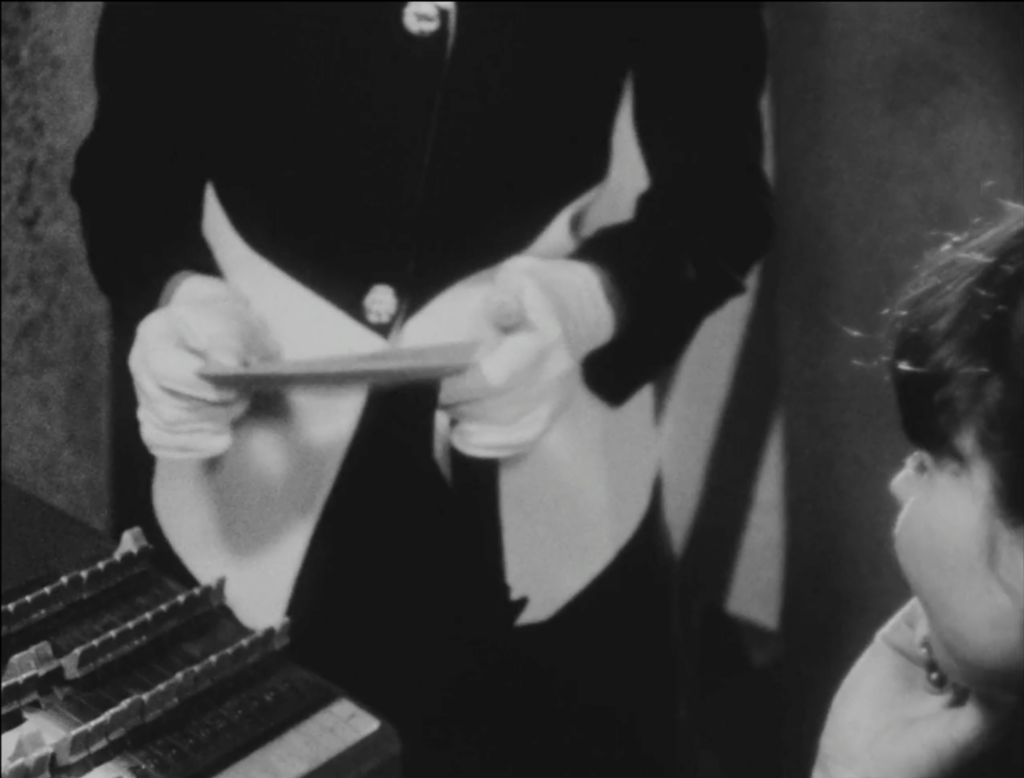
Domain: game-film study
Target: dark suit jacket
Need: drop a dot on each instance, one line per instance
(353, 153)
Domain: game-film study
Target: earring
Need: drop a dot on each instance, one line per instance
(937, 679)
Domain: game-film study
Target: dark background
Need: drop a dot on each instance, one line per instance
(894, 123)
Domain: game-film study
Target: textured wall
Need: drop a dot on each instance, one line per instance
(55, 340)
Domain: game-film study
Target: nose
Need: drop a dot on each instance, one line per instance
(900, 485)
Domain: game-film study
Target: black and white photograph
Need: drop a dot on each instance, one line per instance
(512, 389)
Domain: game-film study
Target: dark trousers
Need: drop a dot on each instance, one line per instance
(402, 602)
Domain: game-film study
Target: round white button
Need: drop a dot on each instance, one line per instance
(422, 19)
(380, 304)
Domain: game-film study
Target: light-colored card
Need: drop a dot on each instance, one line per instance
(389, 366)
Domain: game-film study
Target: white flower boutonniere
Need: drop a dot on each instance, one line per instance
(423, 19)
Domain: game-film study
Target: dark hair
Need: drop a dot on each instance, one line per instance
(958, 354)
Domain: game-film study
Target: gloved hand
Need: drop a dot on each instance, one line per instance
(542, 317)
(180, 414)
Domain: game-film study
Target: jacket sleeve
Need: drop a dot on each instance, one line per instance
(139, 176)
(698, 73)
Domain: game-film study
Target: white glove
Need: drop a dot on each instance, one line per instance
(180, 414)
(543, 316)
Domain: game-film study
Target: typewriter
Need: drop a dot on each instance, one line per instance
(114, 670)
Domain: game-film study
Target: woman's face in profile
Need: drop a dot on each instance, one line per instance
(966, 566)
